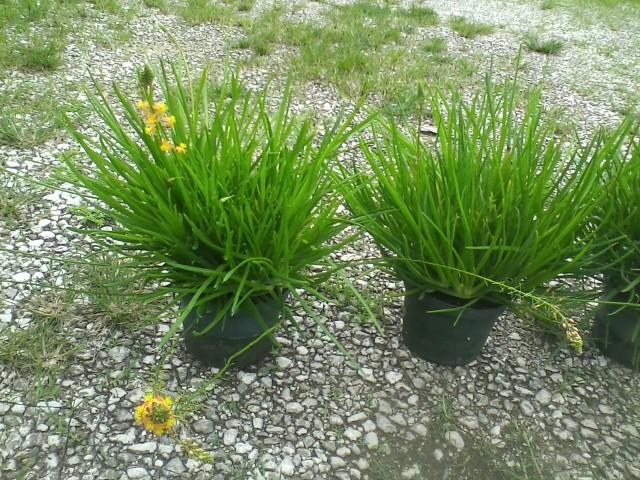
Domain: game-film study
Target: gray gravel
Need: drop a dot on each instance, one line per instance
(525, 406)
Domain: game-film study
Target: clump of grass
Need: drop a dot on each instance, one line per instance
(14, 197)
(110, 6)
(245, 5)
(159, 4)
(28, 119)
(469, 29)
(548, 4)
(41, 53)
(45, 347)
(113, 291)
(548, 46)
(435, 45)
(420, 15)
(203, 11)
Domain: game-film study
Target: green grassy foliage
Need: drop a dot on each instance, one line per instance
(362, 48)
(158, 4)
(33, 32)
(204, 11)
(469, 29)
(240, 212)
(547, 46)
(495, 200)
(28, 119)
(44, 348)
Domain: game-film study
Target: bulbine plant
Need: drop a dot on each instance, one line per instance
(619, 212)
(216, 198)
(494, 198)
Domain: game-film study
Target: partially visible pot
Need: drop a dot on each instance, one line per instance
(447, 338)
(232, 333)
(616, 332)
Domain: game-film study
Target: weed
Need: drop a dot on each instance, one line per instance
(28, 119)
(41, 53)
(44, 348)
(89, 217)
(110, 6)
(550, 46)
(118, 32)
(363, 48)
(435, 45)
(469, 29)
(159, 4)
(113, 291)
(419, 15)
(14, 197)
(203, 11)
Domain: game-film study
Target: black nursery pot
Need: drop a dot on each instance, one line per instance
(616, 332)
(232, 333)
(438, 337)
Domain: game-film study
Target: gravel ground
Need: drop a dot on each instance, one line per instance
(526, 409)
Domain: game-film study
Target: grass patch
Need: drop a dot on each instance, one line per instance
(469, 29)
(109, 6)
(41, 53)
(113, 294)
(157, 4)
(33, 32)
(205, 11)
(546, 46)
(435, 45)
(44, 348)
(362, 48)
(28, 119)
(14, 198)
(548, 4)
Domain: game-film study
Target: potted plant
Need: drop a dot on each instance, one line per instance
(492, 207)
(224, 202)
(616, 326)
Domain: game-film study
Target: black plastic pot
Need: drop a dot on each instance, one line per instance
(232, 333)
(447, 338)
(616, 332)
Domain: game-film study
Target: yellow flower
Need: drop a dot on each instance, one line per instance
(156, 414)
(181, 148)
(142, 105)
(150, 130)
(151, 119)
(166, 146)
(169, 121)
(160, 108)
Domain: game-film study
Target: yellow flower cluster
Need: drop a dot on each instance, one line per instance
(157, 114)
(156, 414)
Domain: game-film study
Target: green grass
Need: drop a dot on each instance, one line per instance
(40, 53)
(546, 46)
(469, 29)
(111, 288)
(28, 119)
(610, 3)
(362, 48)
(207, 11)
(33, 32)
(43, 349)
(15, 196)
(435, 45)
(548, 4)
(158, 4)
